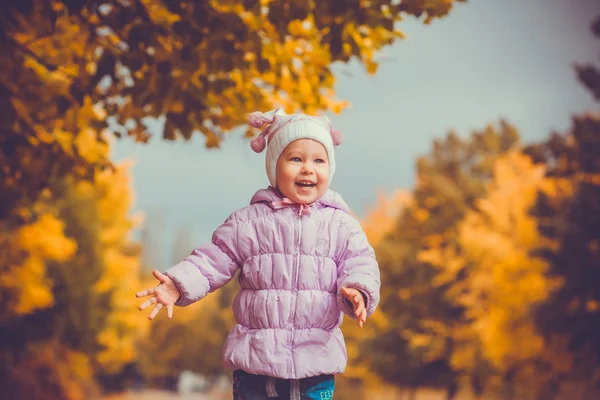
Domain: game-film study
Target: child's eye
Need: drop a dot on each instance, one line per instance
(319, 161)
(296, 159)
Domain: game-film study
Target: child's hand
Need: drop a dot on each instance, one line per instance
(358, 302)
(165, 294)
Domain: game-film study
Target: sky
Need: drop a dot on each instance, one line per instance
(488, 60)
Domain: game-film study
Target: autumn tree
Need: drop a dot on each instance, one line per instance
(571, 216)
(77, 306)
(416, 349)
(497, 275)
(519, 266)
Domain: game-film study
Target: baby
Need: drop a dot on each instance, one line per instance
(303, 262)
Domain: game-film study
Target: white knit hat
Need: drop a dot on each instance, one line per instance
(283, 129)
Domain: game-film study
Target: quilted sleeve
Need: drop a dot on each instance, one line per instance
(209, 267)
(358, 269)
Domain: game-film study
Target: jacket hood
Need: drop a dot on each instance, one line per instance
(329, 199)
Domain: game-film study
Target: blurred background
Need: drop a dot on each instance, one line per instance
(471, 158)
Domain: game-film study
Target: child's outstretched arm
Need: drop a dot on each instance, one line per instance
(358, 274)
(209, 267)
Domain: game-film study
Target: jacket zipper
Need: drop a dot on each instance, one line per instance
(295, 272)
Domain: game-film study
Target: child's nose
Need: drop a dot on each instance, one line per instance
(306, 169)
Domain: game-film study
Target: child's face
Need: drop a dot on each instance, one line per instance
(303, 171)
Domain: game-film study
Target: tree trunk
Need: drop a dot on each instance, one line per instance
(451, 390)
(477, 386)
(509, 385)
(412, 394)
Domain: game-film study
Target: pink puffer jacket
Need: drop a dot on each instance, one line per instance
(292, 265)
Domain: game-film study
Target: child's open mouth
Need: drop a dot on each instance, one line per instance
(306, 184)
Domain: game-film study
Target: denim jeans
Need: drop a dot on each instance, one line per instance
(259, 387)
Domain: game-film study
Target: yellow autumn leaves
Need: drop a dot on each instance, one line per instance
(24, 256)
(74, 258)
(493, 271)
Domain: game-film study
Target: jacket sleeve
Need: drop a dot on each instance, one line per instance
(209, 267)
(357, 269)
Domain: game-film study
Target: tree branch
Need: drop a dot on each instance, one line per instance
(28, 52)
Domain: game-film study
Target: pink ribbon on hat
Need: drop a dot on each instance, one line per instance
(258, 119)
(304, 209)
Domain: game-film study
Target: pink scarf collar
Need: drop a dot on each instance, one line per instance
(304, 209)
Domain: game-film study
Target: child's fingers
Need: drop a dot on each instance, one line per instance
(351, 294)
(346, 292)
(359, 309)
(148, 303)
(158, 275)
(155, 311)
(170, 311)
(362, 318)
(145, 292)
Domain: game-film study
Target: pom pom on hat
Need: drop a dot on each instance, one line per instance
(259, 143)
(257, 119)
(337, 137)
